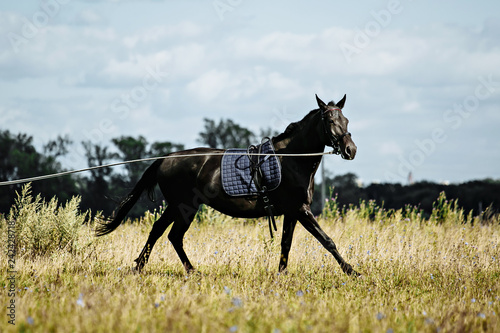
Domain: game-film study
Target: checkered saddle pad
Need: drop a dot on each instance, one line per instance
(236, 170)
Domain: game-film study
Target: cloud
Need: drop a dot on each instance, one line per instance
(242, 84)
(183, 31)
(89, 17)
(276, 46)
(398, 85)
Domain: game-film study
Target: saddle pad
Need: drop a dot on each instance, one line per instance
(236, 171)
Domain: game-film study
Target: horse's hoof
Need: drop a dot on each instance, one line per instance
(191, 271)
(137, 269)
(355, 274)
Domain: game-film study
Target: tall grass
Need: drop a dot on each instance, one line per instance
(419, 275)
(44, 228)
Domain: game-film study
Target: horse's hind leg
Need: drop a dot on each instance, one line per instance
(286, 240)
(176, 235)
(159, 228)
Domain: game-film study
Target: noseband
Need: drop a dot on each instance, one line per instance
(334, 141)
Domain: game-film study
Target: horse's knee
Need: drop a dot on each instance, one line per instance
(174, 239)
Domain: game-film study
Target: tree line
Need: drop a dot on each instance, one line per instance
(474, 197)
(101, 189)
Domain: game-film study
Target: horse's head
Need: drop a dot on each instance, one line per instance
(335, 128)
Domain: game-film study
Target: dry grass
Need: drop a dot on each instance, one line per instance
(418, 276)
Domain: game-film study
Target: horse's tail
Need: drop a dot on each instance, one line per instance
(147, 182)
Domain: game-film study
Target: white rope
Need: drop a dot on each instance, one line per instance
(65, 173)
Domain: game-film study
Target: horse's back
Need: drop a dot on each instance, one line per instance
(193, 178)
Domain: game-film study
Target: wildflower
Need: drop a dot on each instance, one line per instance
(299, 293)
(227, 290)
(380, 316)
(237, 302)
(79, 301)
(481, 315)
(233, 329)
(30, 320)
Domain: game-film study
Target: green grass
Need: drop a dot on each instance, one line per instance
(440, 274)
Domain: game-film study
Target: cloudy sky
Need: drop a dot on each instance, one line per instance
(422, 78)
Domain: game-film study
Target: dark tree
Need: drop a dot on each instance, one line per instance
(132, 149)
(19, 159)
(163, 148)
(344, 187)
(96, 189)
(225, 134)
(268, 132)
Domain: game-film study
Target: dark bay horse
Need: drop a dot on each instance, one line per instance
(189, 181)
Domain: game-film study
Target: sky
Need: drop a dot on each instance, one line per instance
(422, 78)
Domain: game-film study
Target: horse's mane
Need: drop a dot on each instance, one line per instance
(293, 127)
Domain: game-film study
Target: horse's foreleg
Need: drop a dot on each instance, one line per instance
(286, 240)
(159, 228)
(307, 219)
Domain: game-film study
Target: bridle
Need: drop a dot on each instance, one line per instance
(334, 140)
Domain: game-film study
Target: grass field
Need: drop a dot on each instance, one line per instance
(439, 274)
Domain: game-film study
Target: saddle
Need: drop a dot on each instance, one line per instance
(238, 170)
(244, 174)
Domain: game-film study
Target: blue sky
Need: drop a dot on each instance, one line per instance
(422, 78)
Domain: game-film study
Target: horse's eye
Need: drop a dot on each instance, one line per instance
(331, 121)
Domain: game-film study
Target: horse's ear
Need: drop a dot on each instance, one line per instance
(341, 103)
(321, 104)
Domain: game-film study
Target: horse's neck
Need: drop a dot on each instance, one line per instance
(304, 140)
(299, 145)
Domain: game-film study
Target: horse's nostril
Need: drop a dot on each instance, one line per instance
(350, 151)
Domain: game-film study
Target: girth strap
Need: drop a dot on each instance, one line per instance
(256, 172)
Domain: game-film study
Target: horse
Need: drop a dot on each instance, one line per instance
(194, 178)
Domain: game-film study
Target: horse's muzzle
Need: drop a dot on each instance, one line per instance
(349, 151)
